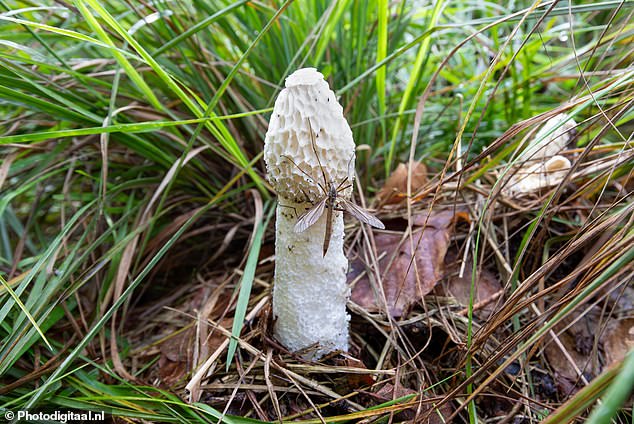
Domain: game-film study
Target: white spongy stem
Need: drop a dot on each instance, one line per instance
(310, 291)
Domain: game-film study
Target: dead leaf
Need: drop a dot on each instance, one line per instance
(215, 337)
(535, 176)
(540, 165)
(553, 137)
(487, 287)
(427, 413)
(390, 392)
(176, 353)
(401, 286)
(618, 340)
(395, 188)
(354, 381)
(578, 342)
(565, 386)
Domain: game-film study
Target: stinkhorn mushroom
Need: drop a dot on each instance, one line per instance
(309, 154)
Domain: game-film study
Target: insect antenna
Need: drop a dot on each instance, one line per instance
(314, 145)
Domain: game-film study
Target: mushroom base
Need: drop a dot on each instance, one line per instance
(310, 291)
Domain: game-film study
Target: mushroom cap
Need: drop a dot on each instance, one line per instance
(292, 158)
(538, 175)
(551, 139)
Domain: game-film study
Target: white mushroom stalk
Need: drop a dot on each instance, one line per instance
(308, 150)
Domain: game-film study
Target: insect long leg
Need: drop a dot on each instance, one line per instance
(339, 188)
(306, 196)
(323, 188)
(345, 180)
(289, 207)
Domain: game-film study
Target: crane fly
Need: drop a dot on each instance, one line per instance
(329, 202)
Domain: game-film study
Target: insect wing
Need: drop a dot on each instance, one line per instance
(310, 217)
(362, 215)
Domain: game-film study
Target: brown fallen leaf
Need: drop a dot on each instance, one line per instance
(395, 188)
(355, 381)
(176, 354)
(578, 341)
(565, 386)
(401, 286)
(487, 287)
(618, 340)
(421, 412)
(389, 392)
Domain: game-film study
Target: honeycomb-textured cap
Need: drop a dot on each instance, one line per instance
(292, 162)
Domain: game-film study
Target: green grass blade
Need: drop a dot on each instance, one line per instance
(54, 245)
(61, 112)
(198, 27)
(329, 30)
(217, 128)
(414, 77)
(246, 282)
(381, 53)
(618, 392)
(64, 32)
(137, 127)
(38, 393)
(25, 311)
(130, 71)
